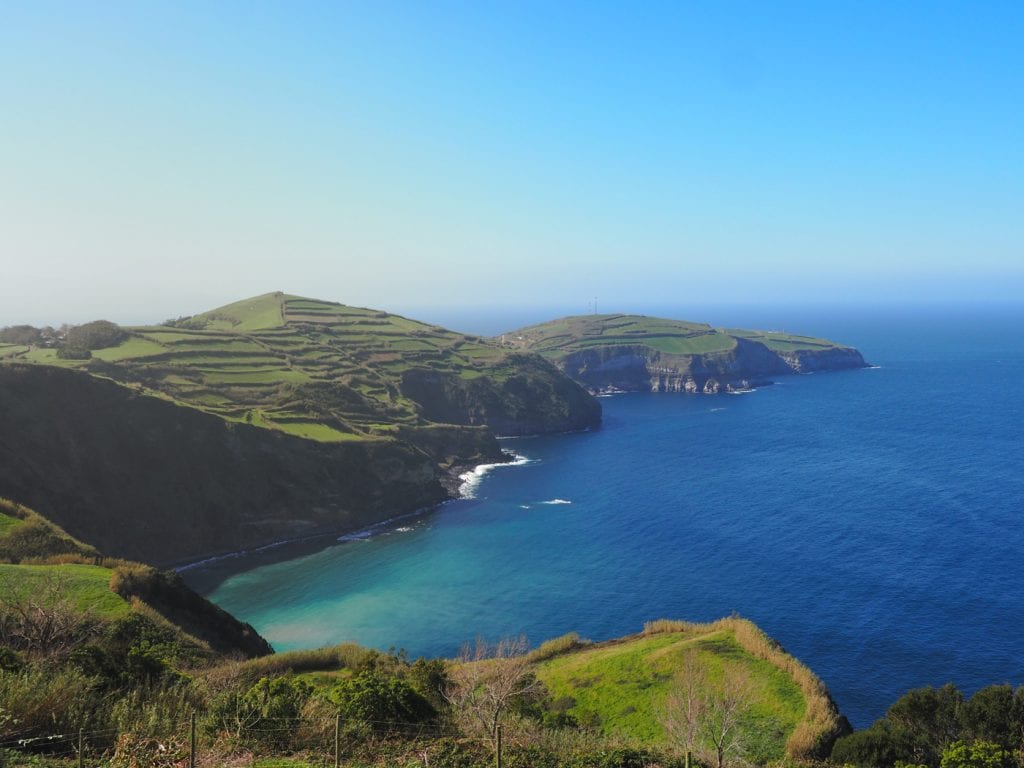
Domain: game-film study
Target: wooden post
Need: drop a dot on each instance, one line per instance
(497, 752)
(192, 742)
(689, 757)
(337, 741)
(81, 751)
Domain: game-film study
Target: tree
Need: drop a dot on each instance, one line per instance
(39, 621)
(709, 716)
(976, 754)
(989, 716)
(488, 681)
(931, 719)
(684, 704)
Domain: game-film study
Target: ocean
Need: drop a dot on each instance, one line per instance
(868, 520)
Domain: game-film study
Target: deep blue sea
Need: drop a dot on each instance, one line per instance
(871, 521)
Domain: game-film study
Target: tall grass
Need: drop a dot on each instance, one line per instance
(821, 724)
(237, 674)
(556, 646)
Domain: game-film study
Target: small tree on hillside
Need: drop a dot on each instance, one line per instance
(707, 716)
(488, 681)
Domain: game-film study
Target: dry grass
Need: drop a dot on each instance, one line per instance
(556, 646)
(247, 673)
(820, 725)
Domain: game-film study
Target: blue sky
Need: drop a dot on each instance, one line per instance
(161, 159)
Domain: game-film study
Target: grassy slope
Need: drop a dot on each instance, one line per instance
(87, 587)
(622, 685)
(315, 369)
(562, 337)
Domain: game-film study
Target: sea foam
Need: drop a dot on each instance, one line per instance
(471, 480)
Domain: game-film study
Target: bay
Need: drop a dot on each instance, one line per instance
(869, 520)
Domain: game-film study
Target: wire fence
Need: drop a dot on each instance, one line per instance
(320, 742)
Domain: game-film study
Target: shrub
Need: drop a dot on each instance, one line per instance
(98, 334)
(381, 701)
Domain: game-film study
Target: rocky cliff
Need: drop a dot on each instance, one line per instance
(143, 478)
(535, 399)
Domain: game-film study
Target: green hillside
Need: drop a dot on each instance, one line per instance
(622, 687)
(43, 569)
(315, 369)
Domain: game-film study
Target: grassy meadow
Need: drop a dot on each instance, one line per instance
(560, 338)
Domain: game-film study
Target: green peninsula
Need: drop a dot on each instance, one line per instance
(615, 352)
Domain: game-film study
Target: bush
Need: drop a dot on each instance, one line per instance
(266, 716)
(381, 701)
(877, 747)
(73, 353)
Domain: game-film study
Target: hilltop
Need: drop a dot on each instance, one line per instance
(329, 372)
(616, 352)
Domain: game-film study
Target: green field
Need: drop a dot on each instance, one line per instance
(8, 523)
(621, 687)
(85, 586)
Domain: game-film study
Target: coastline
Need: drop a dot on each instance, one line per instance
(460, 480)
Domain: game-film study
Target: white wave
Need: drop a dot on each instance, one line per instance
(472, 479)
(715, 410)
(557, 501)
(357, 536)
(525, 506)
(404, 529)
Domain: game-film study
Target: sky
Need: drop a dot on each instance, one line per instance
(161, 159)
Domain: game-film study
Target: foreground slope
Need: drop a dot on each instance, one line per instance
(622, 687)
(640, 353)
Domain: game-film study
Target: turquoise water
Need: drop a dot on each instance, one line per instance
(869, 520)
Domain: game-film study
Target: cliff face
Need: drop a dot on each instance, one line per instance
(635, 368)
(537, 398)
(142, 478)
(811, 361)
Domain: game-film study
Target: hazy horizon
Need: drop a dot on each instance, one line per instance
(161, 160)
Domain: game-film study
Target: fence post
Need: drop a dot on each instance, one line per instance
(192, 741)
(337, 741)
(81, 751)
(497, 752)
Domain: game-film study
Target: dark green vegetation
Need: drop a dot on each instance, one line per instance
(940, 728)
(639, 353)
(270, 419)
